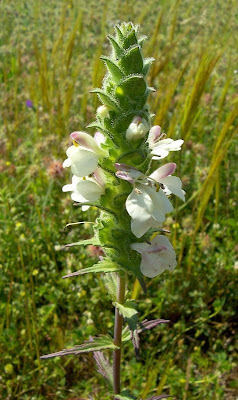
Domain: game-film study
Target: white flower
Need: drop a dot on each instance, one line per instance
(160, 148)
(83, 156)
(137, 129)
(156, 257)
(86, 190)
(147, 204)
(147, 208)
(172, 184)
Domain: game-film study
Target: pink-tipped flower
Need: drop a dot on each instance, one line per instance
(87, 141)
(160, 148)
(83, 156)
(87, 190)
(172, 184)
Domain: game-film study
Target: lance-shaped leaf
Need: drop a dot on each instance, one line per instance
(143, 326)
(133, 85)
(129, 312)
(103, 266)
(86, 242)
(113, 69)
(132, 61)
(146, 325)
(117, 50)
(119, 35)
(107, 99)
(102, 342)
(103, 366)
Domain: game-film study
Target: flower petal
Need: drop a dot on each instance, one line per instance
(161, 204)
(139, 206)
(75, 196)
(99, 177)
(140, 247)
(68, 188)
(85, 140)
(67, 163)
(173, 185)
(139, 228)
(91, 191)
(84, 162)
(154, 135)
(157, 257)
(127, 173)
(163, 172)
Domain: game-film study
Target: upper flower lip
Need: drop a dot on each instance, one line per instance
(163, 172)
(87, 141)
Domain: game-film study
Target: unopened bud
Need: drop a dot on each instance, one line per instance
(137, 129)
(103, 111)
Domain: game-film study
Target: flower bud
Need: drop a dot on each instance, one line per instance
(103, 111)
(137, 129)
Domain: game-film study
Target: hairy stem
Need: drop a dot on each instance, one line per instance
(118, 334)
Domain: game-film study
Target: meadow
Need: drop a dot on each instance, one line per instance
(49, 61)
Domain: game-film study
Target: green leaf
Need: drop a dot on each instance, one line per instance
(142, 39)
(147, 64)
(102, 342)
(96, 125)
(133, 86)
(132, 61)
(86, 242)
(130, 40)
(103, 266)
(126, 334)
(110, 280)
(107, 99)
(103, 366)
(125, 395)
(120, 37)
(118, 51)
(113, 69)
(129, 312)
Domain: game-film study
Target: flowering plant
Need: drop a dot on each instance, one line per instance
(112, 171)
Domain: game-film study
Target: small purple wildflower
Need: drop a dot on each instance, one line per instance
(29, 103)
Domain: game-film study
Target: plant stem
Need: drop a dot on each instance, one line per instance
(121, 279)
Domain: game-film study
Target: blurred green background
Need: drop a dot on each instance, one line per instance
(49, 54)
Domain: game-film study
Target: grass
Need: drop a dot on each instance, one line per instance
(50, 55)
